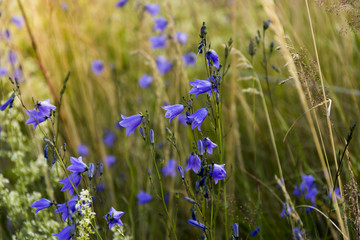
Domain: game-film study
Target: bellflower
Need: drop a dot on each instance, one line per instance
(151, 136)
(91, 171)
(109, 138)
(145, 80)
(173, 110)
(18, 74)
(218, 173)
(308, 181)
(131, 123)
(113, 217)
(170, 168)
(158, 42)
(212, 57)
(163, 65)
(200, 86)
(181, 171)
(255, 232)
(189, 59)
(110, 160)
(77, 165)
(35, 117)
(160, 24)
(12, 58)
(121, 3)
(3, 71)
(194, 163)
(83, 150)
(285, 212)
(311, 194)
(296, 191)
(8, 103)
(236, 230)
(67, 209)
(200, 147)
(181, 37)
(143, 197)
(297, 233)
(41, 204)
(75, 179)
(182, 119)
(67, 233)
(208, 145)
(196, 224)
(197, 118)
(18, 21)
(97, 67)
(45, 107)
(153, 9)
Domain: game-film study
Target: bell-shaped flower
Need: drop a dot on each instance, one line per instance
(197, 118)
(212, 57)
(153, 9)
(75, 180)
(196, 224)
(208, 145)
(181, 37)
(35, 117)
(145, 80)
(130, 123)
(67, 233)
(97, 67)
(45, 107)
(8, 103)
(143, 197)
(200, 86)
(173, 110)
(77, 165)
(218, 173)
(163, 65)
(113, 217)
(121, 3)
(158, 42)
(160, 24)
(194, 163)
(189, 59)
(41, 204)
(67, 209)
(170, 168)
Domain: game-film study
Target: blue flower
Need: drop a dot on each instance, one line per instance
(145, 80)
(109, 138)
(335, 193)
(113, 217)
(285, 212)
(308, 181)
(35, 117)
(77, 165)
(131, 123)
(12, 58)
(9, 103)
(200, 86)
(194, 163)
(121, 3)
(67, 233)
(170, 168)
(158, 42)
(143, 197)
(67, 209)
(236, 230)
(163, 65)
(200, 147)
(296, 191)
(153, 9)
(181, 171)
(75, 180)
(18, 21)
(45, 107)
(151, 136)
(197, 118)
(297, 233)
(311, 194)
(208, 145)
(97, 67)
(83, 150)
(212, 58)
(181, 37)
(18, 74)
(196, 224)
(189, 59)
(160, 24)
(91, 171)
(41, 204)
(218, 173)
(173, 110)
(110, 160)
(3, 71)
(255, 232)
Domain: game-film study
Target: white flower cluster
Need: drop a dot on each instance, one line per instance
(84, 206)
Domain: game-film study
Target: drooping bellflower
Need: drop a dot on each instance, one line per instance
(121, 3)
(196, 224)
(181, 37)
(173, 110)
(83, 150)
(170, 168)
(158, 42)
(200, 86)
(8, 103)
(130, 123)
(197, 118)
(218, 173)
(194, 163)
(67, 209)
(255, 232)
(160, 24)
(109, 138)
(163, 65)
(97, 67)
(35, 117)
(77, 165)
(41, 204)
(212, 57)
(18, 21)
(75, 180)
(208, 145)
(153, 9)
(45, 107)
(113, 217)
(67, 233)
(110, 160)
(181, 171)
(189, 59)
(143, 197)
(145, 80)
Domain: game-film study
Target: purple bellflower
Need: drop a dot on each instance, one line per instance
(200, 147)
(153, 9)
(110, 160)
(75, 180)
(163, 65)
(181, 37)
(194, 163)
(189, 59)
(35, 117)
(182, 119)
(255, 232)
(200, 86)
(77, 165)
(297, 233)
(3, 71)
(18, 74)
(67, 209)
(160, 24)
(18, 21)
(145, 80)
(97, 67)
(83, 150)
(12, 58)
(113, 217)
(336, 193)
(196, 224)
(235, 229)
(67, 233)
(158, 42)
(170, 168)
(109, 138)
(131, 123)
(197, 118)
(181, 171)
(285, 212)
(218, 173)
(41, 204)
(121, 3)
(208, 145)
(212, 57)
(311, 194)
(143, 197)
(8, 103)
(45, 107)
(308, 181)
(173, 110)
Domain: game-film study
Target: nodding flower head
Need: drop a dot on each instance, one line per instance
(67, 233)
(160, 24)
(70, 182)
(145, 80)
(121, 3)
(200, 86)
(189, 59)
(8, 103)
(208, 145)
(130, 123)
(35, 117)
(173, 110)
(77, 165)
(158, 42)
(163, 65)
(197, 118)
(218, 172)
(45, 107)
(194, 163)
(181, 37)
(170, 168)
(153, 9)
(143, 197)
(212, 58)
(41, 204)
(196, 224)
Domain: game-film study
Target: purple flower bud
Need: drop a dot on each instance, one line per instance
(12, 58)
(91, 171)
(8, 103)
(121, 3)
(236, 230)
(151, 136)
(153, 9)
(196, 224)
(142, 133)
(253, 233)
(190, 200)
(181, 171)
(101, 169)
(200, 147)
(266, 24)
(18, 21)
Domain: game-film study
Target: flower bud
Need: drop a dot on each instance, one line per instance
(200, 147)
(142, 132)
(236, 230)
(190, 200)
(101, 169)
(266, 24)
(181, 171)
(151, 136)
(91, 171)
